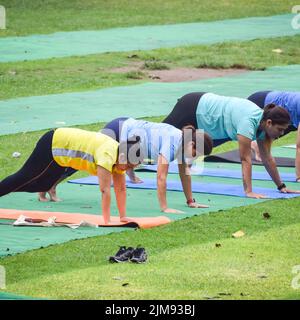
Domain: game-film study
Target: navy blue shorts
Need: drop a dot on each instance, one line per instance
(113, 128)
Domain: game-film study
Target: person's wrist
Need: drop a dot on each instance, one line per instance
(281, 186)
(189, 201)
(298, 179)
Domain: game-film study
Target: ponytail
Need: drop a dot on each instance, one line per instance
(277, 114)
(206, 144)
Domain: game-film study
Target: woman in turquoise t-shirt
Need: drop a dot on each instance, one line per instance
(229, 118)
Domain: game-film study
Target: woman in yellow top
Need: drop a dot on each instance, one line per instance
(59, 150)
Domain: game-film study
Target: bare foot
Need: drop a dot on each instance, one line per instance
(42, 197)
(133, 178)
(53, 196)
(254, 148)
(55, 199)
(136, 180)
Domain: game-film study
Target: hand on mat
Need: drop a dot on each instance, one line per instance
(126, 219)
(285, 190)
(112, 223)
(197, 205)
(255, 195)
(169, 210)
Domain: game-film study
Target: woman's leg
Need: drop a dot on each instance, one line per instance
(259, 98)
(39, 173)
(52, 192)
(184, 112)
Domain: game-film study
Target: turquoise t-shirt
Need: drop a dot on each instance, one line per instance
(226, 117)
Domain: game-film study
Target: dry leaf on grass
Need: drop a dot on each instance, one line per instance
(238, 234)
(277, 50)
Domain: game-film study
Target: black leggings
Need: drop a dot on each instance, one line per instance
(184, 112)
(39, 173)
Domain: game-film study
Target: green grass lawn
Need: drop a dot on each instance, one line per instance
(39, 17)
(92, 72)
(184, 261)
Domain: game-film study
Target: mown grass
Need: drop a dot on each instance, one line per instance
(95, 71)
(39, 17)
(184, 261)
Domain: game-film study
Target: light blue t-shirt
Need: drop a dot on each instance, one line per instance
(156, 138)
(289, 101)
(226, 117)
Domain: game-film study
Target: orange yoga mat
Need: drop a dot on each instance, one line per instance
(61, 217)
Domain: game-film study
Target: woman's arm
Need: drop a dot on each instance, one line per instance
(186, 181)
(270, 165)
(268, 160)
(104, 177)
(162, 173)
(245, 154)
(120, 192)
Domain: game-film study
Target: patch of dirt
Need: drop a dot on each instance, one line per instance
(134, 66)
(179, 74)
(188, 74)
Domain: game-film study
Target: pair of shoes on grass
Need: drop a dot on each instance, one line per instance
(136, 255)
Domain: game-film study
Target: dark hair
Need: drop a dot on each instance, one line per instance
(132, 150)
(277, 114)
(197, 136)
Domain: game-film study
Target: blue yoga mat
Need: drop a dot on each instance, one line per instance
(222, 173)
(197, 187)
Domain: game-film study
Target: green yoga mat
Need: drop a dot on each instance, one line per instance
(63, 44)
(85, 199)
(149, 99)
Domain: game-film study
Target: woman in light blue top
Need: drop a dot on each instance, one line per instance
(163, 144)
(230, 118)
(290, 101)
